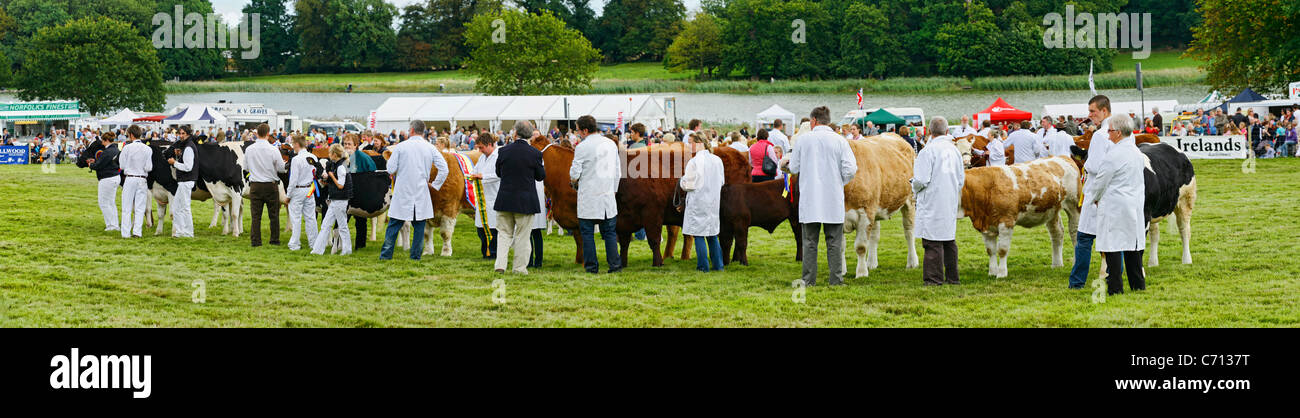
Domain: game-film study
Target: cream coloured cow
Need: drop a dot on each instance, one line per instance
(881, 188)
(996, 199)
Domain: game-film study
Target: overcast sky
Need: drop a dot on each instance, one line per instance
(230, 9)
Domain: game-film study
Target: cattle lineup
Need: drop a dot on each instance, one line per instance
(1113, 183)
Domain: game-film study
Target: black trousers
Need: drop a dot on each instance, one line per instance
(940, 263)
(264, 196)
(1118, 263)
(487, 247)
(360, 229)
(535, 260)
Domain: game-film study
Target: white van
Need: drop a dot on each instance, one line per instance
(914, 116)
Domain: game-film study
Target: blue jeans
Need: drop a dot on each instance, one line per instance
(1082, 259)
(390, 239)
(639, 235)
(587, 229)
(714, 254)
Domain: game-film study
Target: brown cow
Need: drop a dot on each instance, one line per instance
(736, 170)
(966, 144)
(755, 204)
(446, 206)
(562, 197)
(996, 199)
(881, 188)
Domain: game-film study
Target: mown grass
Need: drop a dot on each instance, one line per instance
(61, 271)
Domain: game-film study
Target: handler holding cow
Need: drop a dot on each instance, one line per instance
(825, 164)
(410, 164)
(1118, 192)
(1099, 113)
(937, 182)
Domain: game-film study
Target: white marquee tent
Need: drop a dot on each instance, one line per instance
(395, 113)
(197, 115)
(501, 112)
(529, 108)
(636, 109)
(483, 111)
(124, 118)
(774, 113)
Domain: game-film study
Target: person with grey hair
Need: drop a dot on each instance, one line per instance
(519, 168)
(409, 165)
(825, 164)
(1118, 190)
(938, 176)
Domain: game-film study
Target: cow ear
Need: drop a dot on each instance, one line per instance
(1079, 153)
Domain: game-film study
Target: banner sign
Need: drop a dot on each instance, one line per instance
(65, 110)
(371, 122)
(1295, 90)
(1210, 147)
(13, 155)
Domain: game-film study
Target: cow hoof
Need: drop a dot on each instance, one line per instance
(446, 253)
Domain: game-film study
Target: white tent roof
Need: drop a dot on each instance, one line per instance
(642, 108)
(196, 114)
(399, 108)
(775, 112)
(528, 107)
(578, 106)
(125, 117)
(442, 108)
(483, 108)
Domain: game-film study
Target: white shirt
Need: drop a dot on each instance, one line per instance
(410, 164)
(1026, 145)
(1059, 143)
(961, 131)
(740, 146)
(136, 159)
(984, 132)
(263, 162)
(1097, 149)
(187, 165)
(703, 185)
(997, 153)
(487, 166)
(1118, 187)
(937, 179)
(300, 171)
(596, 170)
(778, 138)
(824, 163)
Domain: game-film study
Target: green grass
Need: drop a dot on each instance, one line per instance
(61, 271)
(1159, 60)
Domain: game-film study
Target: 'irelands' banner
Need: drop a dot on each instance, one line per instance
(1204, 146)
(13, 155)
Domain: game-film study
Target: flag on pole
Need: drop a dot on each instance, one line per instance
(859, 99)
(1091, 86)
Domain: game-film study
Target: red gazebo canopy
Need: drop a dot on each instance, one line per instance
(1000, 111)
(158, 118)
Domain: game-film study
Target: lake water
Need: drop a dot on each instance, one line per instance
(715, 108)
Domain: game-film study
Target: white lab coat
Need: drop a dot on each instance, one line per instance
(1059, 143)
(778, 138)
(825, 164)
(1118, 187)
(596, 169)
(410, 164)
(997, 153)
(487, 166)
(703, 185)
(937, 179)
(1026, 144)
(539, 220)
(1097, 147)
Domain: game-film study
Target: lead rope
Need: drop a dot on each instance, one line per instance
(482, 212)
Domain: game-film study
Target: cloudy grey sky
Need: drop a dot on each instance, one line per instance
(230, 9)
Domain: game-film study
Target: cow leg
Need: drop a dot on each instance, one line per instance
(428, 235)
(577, 240)
(216, 213)
(1054, 231)
(162, 217)
(671, 247)
(1153, 234)
(1004, 248)
(798, 240)
(909, 233)
(1072, 223)
(1183, 212)
(624, 244)
(688, 243)
(742, 246)
(448, 229)
(865, 246)
(404, 237)
(991, 245)
(873, 248)
(726, 233)
(653, 235)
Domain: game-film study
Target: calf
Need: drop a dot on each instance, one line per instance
(881, 188)
(996, 199)
(764, 205)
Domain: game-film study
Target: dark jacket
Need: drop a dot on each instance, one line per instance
(520, 168)
(193, 174)
(105, 165)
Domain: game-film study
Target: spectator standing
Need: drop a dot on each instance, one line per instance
(519, 166)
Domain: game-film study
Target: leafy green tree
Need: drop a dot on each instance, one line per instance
(632, 30)
(190, 63)
(868, 45)
(139, 13)
(345, 35)
(967, 47)
(278, 43)
(433, 32)
(1249, 43)
(697, 47)
(104, 63)
(528, 55)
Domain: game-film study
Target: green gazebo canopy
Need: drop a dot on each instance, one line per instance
(882, 117)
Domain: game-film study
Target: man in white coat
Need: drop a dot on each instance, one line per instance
(136, 161)
(961, 131)
(302, 208)
(409, 165)
(1118, 190)
(824, 163)
(486, 173)
(777, 136)
(937, 179)
(595, 173)
(1025, 143)
(1099, 113)
(702, 182)
(1058, 143)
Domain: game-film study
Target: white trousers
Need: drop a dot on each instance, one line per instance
(108, 201)
(515, 230)
(302, 209)
(337, 214)
(182, 218)
(135, 200)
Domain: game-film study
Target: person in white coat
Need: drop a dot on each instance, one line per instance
(777, 136)
(183, 162)
(701, 219)
(938, 176)
(302, 204)
(1099, 113)
(824, 163)
(595, 173)
(485, 171)
(1024, 143)
(1118, 190)
(1058, 143)
(136, 161)
(409, 165)
(997, 150)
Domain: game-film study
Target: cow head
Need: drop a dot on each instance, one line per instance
(92, 151)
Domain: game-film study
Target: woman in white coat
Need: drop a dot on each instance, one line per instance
(703, 185)
(486, 172)
(1118, 189)
(539, 221)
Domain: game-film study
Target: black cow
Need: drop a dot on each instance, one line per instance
(1170, 182)
(370, 199)
(220, 178)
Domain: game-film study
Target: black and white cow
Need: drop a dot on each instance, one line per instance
(1170, 182)
(221, 178)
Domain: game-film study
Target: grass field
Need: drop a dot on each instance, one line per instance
(60, 270)
(1162, 68)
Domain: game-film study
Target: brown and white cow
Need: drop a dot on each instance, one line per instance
(881, 188)
(996, 199)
